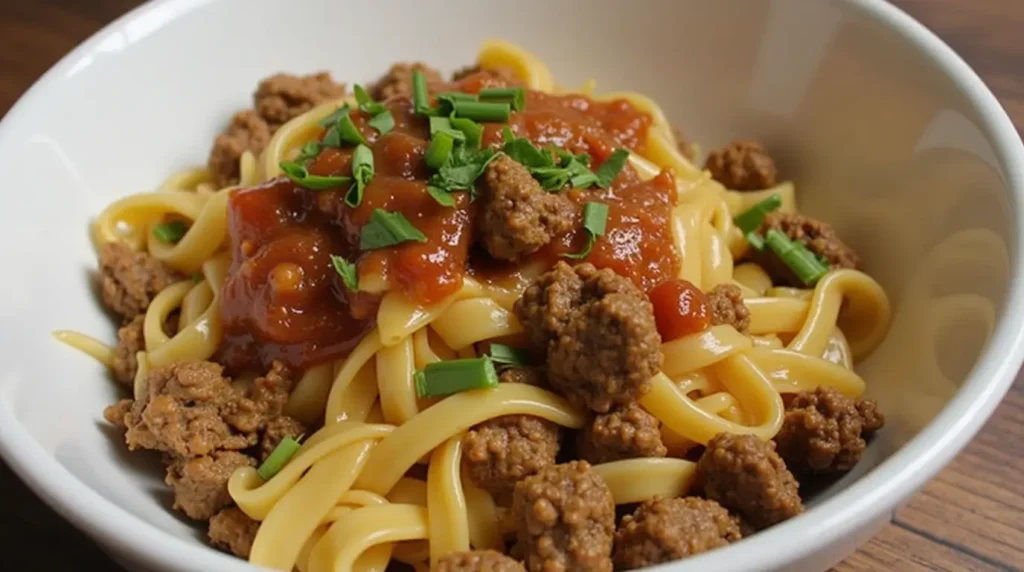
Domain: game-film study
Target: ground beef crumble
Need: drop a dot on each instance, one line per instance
(246, 132)
(478, 561)
(565, 519)
(662, 530)
(200, 483)
(130, 341)
(283, 97)
(517, 216)
(824, 431)
(626, 432)
(502, 451)
(746, 476)
(598, 332)
(130, 280)
(819, 237)
(743, 165)
(727, 307)
(397, 82)
(233, 531)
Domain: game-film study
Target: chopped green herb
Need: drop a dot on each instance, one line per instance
(473, 131)
(278, 458)
(331, 119)
(607, 172)
(463, 168)
(348, 272)
(388, 229)
(482, 111)
(756, 240)
(366, 103)
(170, 232)
(751, 219)
(348, 132)
(454, 376)
(446, 101)
(595, 217)
(508, 355)
(444, 125)
(309, 152)
(383, 122)
(803, 262)
(552, 175)
(301, 177)
(524, 152)
(420, 95)
(443, 197)
(362, 172)
(439, 150)
(514, 95)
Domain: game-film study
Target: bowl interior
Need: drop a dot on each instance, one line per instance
(879, 140)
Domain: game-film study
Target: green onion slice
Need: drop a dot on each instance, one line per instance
(595, 218)
(331, 119)
(439, 150)
(444, 125)
(347, 270)
(482, 111)
(278, 458)
(366, 103)
(751, 219)
(348, 132)
(454, 376)
(803, 262)
(508, 355)
(170, 232)
(388, 229)
(607, 172)
(420, 95)
(472, 130)
(362, 172)
(301, 177)
(514, 95)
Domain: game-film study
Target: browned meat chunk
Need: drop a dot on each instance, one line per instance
(502, 451)
(662, 530)
(283, 97)
(745, 475)
(565, 519)
(518, 216)
(114, 414)
(247, 132)
(201, 484)
(819, 237)
(233, 531)
(398, 80)
(727, 307)
(500, 73)
(742, 166)
(271, 391)
(276, 430)
(130, 280)
(478, 561)
(190, 410)
(598, 332)
(624, 433)
(824, 431)
(129, 342)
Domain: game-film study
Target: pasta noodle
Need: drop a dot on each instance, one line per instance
(346, 500)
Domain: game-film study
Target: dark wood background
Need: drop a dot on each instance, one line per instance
(971, 517)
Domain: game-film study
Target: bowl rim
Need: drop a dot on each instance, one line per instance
(856, 506)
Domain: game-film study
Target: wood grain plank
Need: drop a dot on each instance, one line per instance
(897, 548)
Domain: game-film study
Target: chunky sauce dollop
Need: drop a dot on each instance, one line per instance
(283, 300)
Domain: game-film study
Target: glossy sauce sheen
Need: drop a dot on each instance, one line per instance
(680, 309)
(283, 300)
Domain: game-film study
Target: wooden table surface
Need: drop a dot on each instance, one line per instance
(971, 517)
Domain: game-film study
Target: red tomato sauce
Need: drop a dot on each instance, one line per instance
(283, 300)
(680, 309)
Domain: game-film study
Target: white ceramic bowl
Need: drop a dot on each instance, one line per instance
(887, 133)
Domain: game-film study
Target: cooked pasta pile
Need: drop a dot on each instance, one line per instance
(383, 473)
